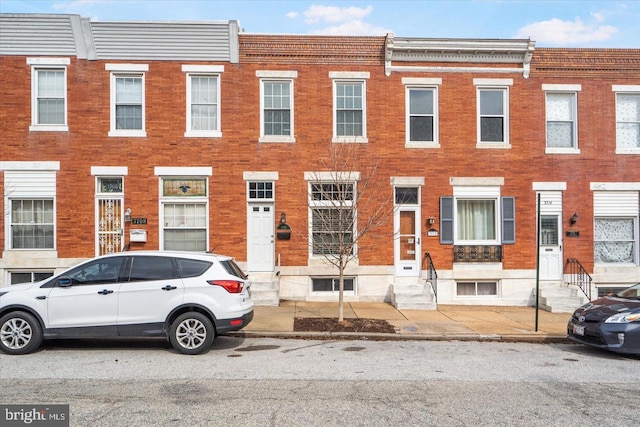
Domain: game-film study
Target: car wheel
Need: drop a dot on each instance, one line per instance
(20, 333)
(191, 333)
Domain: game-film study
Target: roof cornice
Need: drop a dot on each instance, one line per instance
(466, 51)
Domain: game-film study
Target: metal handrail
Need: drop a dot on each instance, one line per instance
(576, 274)
(431, 274)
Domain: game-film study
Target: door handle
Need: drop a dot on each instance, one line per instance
(169, 288)
(105, 292)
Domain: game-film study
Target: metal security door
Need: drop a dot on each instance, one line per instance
(260, 242)
(109, 224)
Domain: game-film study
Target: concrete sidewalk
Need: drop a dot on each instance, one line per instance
(448, 322)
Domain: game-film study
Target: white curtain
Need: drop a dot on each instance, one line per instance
(614, 240)
(476, 220)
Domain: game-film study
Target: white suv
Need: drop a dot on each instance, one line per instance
(188, 297)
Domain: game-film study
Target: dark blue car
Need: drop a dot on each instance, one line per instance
(611, 323)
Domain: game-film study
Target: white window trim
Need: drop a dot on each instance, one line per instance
(328, 177)
(568, 89)
(496, 85)
(624, 89)
(284, 76)
(172, 173)
(418, 83)
(121, 70)
(350, 77)
(478, 192)
(203, 71)
(475, 297)
(38, 64)
(354, 292)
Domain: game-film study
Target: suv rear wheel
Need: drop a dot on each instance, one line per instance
(191, 333)
(20, 333)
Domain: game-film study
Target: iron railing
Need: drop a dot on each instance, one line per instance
(575, 274)
(431, 275)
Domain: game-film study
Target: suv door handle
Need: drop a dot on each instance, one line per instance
(169, 288)
(105, 292)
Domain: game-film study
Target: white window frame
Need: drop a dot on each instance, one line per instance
(417, 84)
(624, 90)
(207, 71)
(335, 285)
(475, 295)
(349, 77)
(493, 85)
(478, 189)
(567, 89)
(47, 64)
(186, 173)
(18, 181)
(124, 71)
(330, 178)
(272, 76)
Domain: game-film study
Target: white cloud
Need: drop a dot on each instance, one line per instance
(352, 28)
(334, 14)
(292, 15)
(558, 32)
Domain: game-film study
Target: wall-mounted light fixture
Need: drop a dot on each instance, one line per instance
(127, 215)
(573, 219)
(431, 221)
(284, 231)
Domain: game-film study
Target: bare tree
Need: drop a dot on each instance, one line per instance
(346, 204)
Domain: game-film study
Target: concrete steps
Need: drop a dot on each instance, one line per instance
(264, 290)
(561, 298)
(412, 295)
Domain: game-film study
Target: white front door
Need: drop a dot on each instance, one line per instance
(551, 264)
(260, 237)
(407, 242)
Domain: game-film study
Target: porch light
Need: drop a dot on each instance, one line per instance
(573, 219)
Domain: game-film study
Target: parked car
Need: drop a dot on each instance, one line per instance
(185, 296)
(612, 322)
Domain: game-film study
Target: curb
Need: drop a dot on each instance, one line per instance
(524, 338)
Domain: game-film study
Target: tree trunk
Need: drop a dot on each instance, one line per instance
(341, 295)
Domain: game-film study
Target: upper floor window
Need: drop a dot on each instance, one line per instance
(349, 106)
(49, 94)
(627, 119)
(493, 111)
(127, 99)
(276, 101)
(203, 100)
(422, 111)
(562, 118)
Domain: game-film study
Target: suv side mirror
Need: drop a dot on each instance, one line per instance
(64, 282)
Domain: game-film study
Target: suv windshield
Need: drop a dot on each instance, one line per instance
(631, 293)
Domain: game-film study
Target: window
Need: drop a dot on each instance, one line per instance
(17, 277)
(477, 214)
(492, 115)
(276, 105)
(49, 94)
(561, 112)
(260, 190)
(332, 217)
(146, 268)
(185, 226)
(203, 100)
(615, 240)
(331, 284)
(105, 270)
(32, 224)
(628, 122)
(127, 99)
(349, 107)
(422, 115)
(476, 289)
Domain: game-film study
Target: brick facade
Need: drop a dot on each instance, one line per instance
(521, 164)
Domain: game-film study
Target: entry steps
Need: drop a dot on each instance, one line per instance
(561, 298)
(412, 294)
(265, 289)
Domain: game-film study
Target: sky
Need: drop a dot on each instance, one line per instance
(550, 23)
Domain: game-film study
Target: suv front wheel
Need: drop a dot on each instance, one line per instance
(191, 333)
(20, 333)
